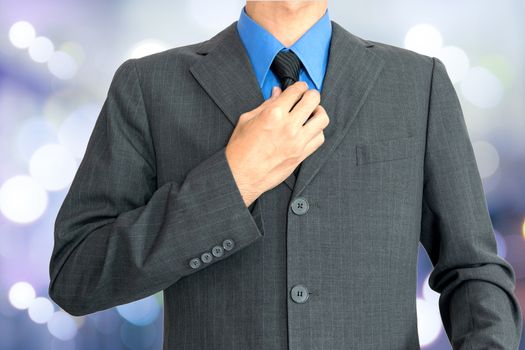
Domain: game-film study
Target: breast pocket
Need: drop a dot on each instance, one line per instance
(386, 150)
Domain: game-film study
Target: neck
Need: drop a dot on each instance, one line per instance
(287, 21)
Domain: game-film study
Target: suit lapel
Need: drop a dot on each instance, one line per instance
(225, 73)
(351, 72)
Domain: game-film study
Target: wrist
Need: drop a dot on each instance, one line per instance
(249, 197)
(248, 191)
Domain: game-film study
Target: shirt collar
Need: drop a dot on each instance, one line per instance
(311, 48)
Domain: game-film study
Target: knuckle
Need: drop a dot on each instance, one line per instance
(326, 119)
(322, 115)
(319, 140)
(301, 85)
(266, 123)
(314, 95)
(275, 111)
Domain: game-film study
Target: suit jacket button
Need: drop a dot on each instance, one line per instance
(300, 206)
(217, 251)
(195, 263)
(228, 244)
(206, 257)
(299, 293)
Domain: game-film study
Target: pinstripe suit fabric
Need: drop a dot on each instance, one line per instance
(397, 168)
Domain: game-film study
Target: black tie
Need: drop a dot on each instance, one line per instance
(286, 66)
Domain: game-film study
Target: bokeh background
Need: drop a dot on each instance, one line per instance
(57, 59)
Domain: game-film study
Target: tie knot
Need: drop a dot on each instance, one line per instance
(286, 66)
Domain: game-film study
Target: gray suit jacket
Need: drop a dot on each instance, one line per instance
(326, 260)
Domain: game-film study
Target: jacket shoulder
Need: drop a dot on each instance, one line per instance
(181, 56)
(397, 60)
(401, 58)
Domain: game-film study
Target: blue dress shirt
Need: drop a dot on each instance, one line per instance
(312, 48)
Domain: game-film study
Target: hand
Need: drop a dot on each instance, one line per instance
(270, 141)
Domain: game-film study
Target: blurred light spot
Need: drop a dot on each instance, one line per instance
(424, 39)
(147, 47)
(22, 199)
(62, 65)
(75, 50)
(501, 245)
(37, 250)
(33, 133)
(213, 15)
(75, 130)
(62, 326)
(138, 337)
(22, 34)
(106, 322)
(141, 312)
(500, 66)
(482, 88)
(41, 310)
(523, 229)
(53, 166)
(59, 105)
(429, 324)
(456, 62)
(429, 294)
(487, 158)
(21, 295)
(41, 49)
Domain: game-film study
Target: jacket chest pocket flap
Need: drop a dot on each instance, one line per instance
(385, 150)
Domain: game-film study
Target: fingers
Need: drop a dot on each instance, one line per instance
(318, 121)
(289, 97)
(276, 91)
(313, 145)
(304, 108)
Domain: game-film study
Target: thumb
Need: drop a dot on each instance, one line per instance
(276, 91)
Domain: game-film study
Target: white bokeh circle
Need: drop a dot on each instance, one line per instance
(41, 49)
(53, 166)
(62, 65)
(147, 47)
(487, 158)
(456, 61)
(424, 39)
(482, 88)
(41, 310)
(21, 295)
(22, 34)
(62, 326)
(22, 199)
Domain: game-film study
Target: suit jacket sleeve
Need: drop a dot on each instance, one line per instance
(477, 303)
(119, 238)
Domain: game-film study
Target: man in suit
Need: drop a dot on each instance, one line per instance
(284, 220)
